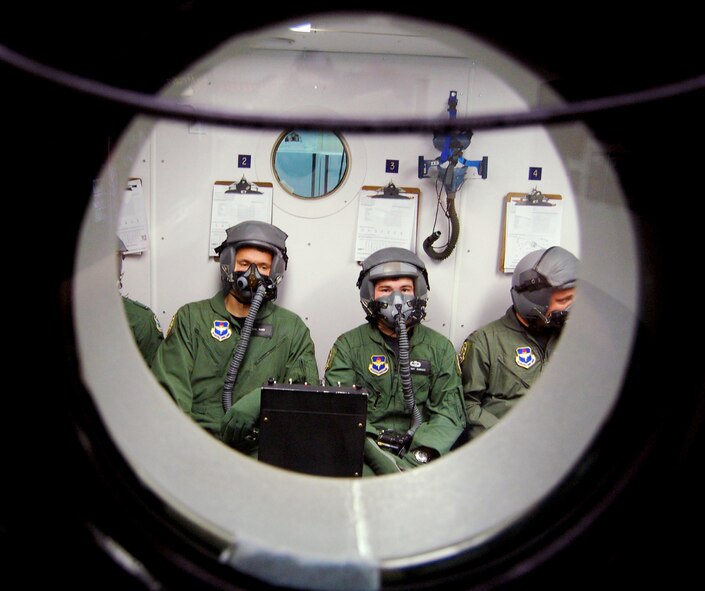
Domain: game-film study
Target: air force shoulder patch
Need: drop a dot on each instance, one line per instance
(221, 330)
(525, 357)
(379, 365)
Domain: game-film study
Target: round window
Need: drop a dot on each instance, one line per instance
(310, 163)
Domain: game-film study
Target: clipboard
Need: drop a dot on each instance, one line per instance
(531, 221)
(234, 202)
(386, 216)
(133, 228)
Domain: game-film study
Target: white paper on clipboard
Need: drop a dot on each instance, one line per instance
(132, 228)
(228, 209)
(530, 227)
(385, 221)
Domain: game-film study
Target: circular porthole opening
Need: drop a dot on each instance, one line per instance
(294, 531)
(310, 164)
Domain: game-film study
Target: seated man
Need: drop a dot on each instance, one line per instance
(219, 349)
(415, 407)
(501, 360)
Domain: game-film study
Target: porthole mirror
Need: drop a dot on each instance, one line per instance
(310, 164)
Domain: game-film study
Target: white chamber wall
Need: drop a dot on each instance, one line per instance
(179, 163)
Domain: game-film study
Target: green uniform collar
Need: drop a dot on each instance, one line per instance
(217, 303)
(511, 322)
(415, 336)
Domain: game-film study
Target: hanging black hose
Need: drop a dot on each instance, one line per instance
(241, 347)
(405, 375)
(454, 233)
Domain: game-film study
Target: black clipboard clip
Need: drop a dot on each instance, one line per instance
(391, 191)
(242, 187)
(536, 197)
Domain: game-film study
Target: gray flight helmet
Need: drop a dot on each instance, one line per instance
(537, 275)
(387, 263)
(259, 235)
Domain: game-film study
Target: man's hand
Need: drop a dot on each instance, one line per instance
(237, 428)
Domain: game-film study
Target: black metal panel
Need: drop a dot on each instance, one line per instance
(316, 430)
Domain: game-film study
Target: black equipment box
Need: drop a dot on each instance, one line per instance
(317, 430)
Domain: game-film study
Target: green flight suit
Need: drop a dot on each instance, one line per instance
(500, 362)
(192, 363)
(362, 356)
(145, 328)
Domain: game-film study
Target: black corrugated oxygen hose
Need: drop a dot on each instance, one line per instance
(454, 233)
(241, 347)
(405, 375)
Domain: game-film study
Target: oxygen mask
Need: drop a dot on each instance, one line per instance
(554, 322)
(247, 282)
(397, 305)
